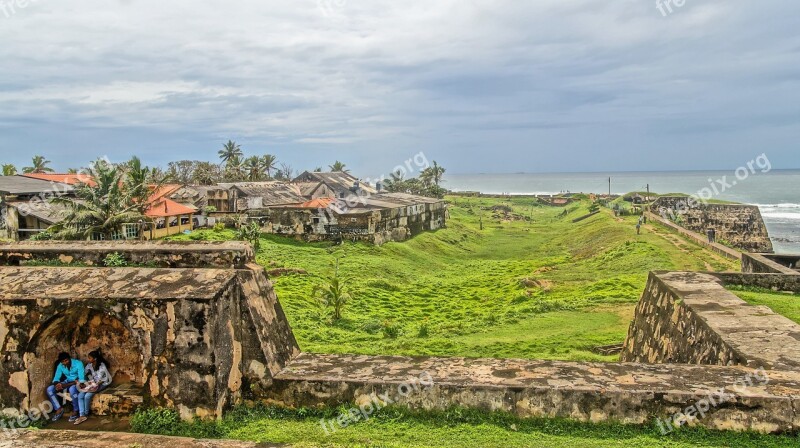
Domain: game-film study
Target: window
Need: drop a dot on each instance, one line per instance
(315, 220)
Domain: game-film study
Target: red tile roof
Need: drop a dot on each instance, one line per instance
(164, 208)
(69, 179)
(316, 203)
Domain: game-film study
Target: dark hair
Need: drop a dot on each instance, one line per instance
(98, 358)
(63, 356)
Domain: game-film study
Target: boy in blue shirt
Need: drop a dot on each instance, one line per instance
(72, 371)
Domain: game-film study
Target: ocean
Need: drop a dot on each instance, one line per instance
(776, 192)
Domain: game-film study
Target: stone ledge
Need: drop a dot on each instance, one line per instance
(188, 254)
(86, 439)
(34, 283)
(629, 393)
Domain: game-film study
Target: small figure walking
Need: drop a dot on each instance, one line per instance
(710, 233)
(639, 227)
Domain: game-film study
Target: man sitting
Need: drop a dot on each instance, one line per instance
(73, 372)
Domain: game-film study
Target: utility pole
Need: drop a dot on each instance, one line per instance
(609, 186)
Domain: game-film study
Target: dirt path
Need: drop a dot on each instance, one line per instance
(682, 244)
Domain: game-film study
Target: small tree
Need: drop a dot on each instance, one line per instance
(250, 233)
(333, 292)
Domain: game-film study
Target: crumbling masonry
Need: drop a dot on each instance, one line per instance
(202, 330)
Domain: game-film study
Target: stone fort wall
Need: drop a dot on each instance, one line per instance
(202, 339)
(740, 225)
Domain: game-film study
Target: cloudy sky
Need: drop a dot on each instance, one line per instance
(478, 85)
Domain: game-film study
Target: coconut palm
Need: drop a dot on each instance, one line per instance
(101, 208)
(9, 170)
(140, 182)
(39, 166)
(338, 167)
(233, 169)
(252, 168)
(333, 292)
(230, 151)
(268, 163)
(437, 172)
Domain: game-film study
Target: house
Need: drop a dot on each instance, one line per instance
(169, 218)
(377, 219)
(24, 206)
(337, 184)
(245, 197)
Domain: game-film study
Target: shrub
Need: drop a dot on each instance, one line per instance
(372, 326)
(390, 330)
(219, 227)
(42, 236)
(155, 421)
(424, 330)
(115, 260)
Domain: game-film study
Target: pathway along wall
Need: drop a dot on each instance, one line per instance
(742, 226)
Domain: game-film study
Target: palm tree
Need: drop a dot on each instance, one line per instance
(39, 166)
(230, 151)
(233, 169)
(9, 170)
(338, 167)
(252, 168)
(140, 182)
(101, 208)
(268, 163)
(333, 293)
(437, 172)
(396, 182)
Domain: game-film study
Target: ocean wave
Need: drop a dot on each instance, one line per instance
(778, 215)
(779, 206)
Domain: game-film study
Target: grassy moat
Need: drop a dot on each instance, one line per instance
(546, 289)
(550, 289)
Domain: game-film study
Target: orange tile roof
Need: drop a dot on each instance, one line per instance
(69, 179)
(162, 191)
(317, 203)
(166, 207)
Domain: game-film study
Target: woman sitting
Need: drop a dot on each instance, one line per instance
(98, 379)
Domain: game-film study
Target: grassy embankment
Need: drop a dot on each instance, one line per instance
(549, 289)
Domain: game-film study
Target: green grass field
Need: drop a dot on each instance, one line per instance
(455, 428)
(549, 289)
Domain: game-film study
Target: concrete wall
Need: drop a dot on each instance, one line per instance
(593, 392)
(740, 225)
(770, 264)
(686, 317)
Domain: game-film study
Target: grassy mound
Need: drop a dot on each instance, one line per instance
(543, 289)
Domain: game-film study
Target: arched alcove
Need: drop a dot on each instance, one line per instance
(79, 331)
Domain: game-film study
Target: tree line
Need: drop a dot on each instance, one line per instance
(234, 166)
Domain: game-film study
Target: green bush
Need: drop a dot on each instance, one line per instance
(115, 260)
(156, 421)
(391, 330)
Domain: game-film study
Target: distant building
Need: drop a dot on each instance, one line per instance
(248, 196)
(24, 206)
(334, 184)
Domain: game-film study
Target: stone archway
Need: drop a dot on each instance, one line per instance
(79, 331)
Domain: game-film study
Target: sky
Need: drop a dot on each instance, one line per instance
(477, 85)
